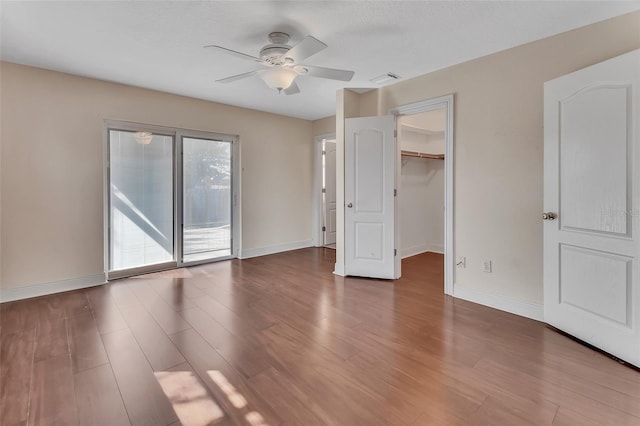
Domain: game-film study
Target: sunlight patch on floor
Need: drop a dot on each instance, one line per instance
(190, 400)
(192, 403)
(255, 419)
(234, 396)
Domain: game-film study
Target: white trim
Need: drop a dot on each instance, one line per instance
(422, 248)
(339, 269)
(532, 310)
(279, 248)
(414, 250)
(397, 185)
(35, 290)
(106, 218)
(445, 102)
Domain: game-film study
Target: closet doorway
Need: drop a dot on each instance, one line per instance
(421, 202)
(424, 173)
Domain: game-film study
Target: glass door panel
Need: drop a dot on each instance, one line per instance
(141, 202)
(206, 199)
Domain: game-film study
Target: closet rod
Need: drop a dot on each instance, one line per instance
(422, 155)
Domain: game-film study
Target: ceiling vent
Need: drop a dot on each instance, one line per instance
(385, 78)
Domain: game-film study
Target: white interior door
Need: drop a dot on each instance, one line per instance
(329, 192)
(370, 156)
(591, 159)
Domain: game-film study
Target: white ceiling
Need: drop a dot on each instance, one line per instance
(159, 45)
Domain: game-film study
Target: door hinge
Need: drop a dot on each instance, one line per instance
(395, 252)
(324, 228)
(395, 133)
(324, 190)
(324, 152)
(395, 192)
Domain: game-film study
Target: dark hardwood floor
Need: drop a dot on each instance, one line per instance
(281, 340)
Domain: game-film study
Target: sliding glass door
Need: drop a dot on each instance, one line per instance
(170, 198)
(206, 199)
(141, 200)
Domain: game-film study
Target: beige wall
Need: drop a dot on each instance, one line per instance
(324, 126)
(52, 168)
(368, 103)
(434, 120)
(499, 145)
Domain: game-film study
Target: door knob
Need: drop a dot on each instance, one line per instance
(549, 216)
(349, 205)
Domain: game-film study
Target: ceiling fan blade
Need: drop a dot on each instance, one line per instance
(292, 90)
(237, 77)
(307, 47)
(233, 53)
(331, 73)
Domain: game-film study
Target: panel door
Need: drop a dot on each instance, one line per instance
(591, 190)
(369, 197)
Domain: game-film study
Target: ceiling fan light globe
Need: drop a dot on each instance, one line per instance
(279, 78)
(143, 138)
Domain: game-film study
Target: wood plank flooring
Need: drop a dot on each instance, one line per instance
(280, 340)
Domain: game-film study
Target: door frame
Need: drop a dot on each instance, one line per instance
(317, 207)
(177, 134)
(447, 103)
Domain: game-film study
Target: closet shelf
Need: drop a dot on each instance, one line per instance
(422, 155)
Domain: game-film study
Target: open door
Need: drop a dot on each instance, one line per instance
(370, 156)
(591, 202)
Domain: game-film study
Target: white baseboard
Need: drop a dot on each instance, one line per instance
(279, 248)
(35, 290)
(422, 248)
(339, 269)
(413, 250)
(523, 308)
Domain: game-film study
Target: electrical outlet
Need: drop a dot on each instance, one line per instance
(462, 262)
(486, 266)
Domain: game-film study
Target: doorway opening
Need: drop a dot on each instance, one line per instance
(424, 176)
(328, 192)
(324, 191)
(421, 184)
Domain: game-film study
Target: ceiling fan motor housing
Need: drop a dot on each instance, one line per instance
(273, 53)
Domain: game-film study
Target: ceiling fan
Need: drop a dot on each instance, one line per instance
(283, 63)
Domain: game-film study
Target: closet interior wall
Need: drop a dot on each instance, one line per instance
(421, 195)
